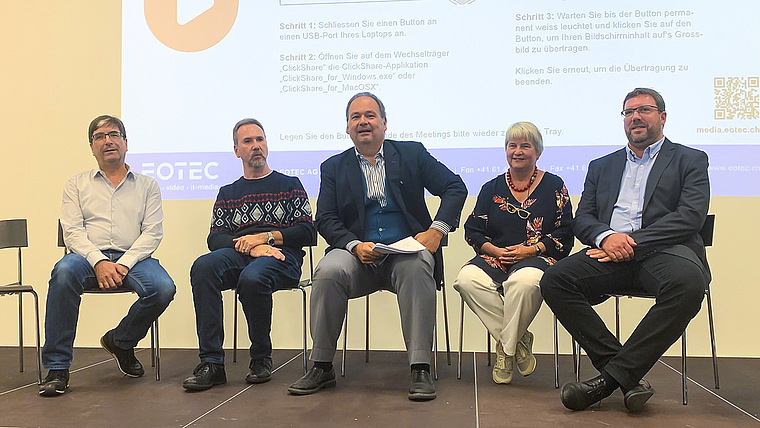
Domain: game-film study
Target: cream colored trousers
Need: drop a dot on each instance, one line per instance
(506, 317)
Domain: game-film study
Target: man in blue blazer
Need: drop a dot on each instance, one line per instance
(640, 212)
(374, 193)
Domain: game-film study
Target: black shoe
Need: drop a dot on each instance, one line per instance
(125, 358)
(421, 387)
(579, 395)
(205, 375)
(314, 380)
(638, 396)
(55, 384)
(261, 371)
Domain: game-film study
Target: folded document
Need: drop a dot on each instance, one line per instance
(407, 245)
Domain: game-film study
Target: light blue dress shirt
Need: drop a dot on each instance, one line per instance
(626, 216)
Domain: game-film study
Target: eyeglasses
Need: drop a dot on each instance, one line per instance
(521, 212)
(641, 109)
(100, 136)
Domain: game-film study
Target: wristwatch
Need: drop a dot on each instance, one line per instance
(270, 241)
(538, 250)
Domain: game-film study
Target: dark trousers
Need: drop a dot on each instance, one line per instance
(573, 284)
(255, 279)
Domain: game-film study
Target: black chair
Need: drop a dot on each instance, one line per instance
(706, 233)
(13, 235)
(155, 350)
(301, 286)
(442, 288)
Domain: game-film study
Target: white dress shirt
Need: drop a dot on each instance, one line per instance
(96, 216)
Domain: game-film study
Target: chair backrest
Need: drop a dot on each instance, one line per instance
(707, 230)
(61, 242)
(13, 233)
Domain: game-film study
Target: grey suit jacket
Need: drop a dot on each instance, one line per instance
(676, 201)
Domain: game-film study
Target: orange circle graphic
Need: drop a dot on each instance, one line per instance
(202, 32)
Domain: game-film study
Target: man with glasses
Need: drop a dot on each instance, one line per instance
(112, 223)
(374, 193)
(640, 213)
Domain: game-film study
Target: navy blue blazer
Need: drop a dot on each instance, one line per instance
(676, 201)
(410, 170)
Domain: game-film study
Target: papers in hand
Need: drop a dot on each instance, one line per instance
(405, 246)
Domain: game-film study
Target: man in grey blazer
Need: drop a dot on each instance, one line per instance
(373, 193)
(640, 214)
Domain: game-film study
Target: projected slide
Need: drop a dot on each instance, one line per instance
(452, 74)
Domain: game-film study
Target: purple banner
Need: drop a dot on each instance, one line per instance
(734, 170)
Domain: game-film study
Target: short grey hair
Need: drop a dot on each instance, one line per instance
(528, 131)
(243, 122)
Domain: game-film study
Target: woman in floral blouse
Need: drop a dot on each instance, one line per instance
(520, 226)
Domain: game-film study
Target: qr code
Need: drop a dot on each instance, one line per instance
(737, 98)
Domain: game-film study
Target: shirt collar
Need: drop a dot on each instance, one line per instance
(97, 171)
(650, 152)
(379, 153)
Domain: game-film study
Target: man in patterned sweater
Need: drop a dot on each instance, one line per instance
(259, 225)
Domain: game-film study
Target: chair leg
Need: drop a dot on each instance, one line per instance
(366, 333)
(37, 323)
(234, 328)
(303, 311)
(435, 353)
(617, 317)
(152, 347)
(576, 357)
(154, 327)
(446, 324)
(461, 337)
(20, 333)
(556, 354)
(578, 361)
(683, 368)
(712, 338)
(345, 343)
(488, 349)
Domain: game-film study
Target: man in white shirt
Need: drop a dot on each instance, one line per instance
(112, 223)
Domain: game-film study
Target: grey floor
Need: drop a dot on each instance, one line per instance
(371, 395)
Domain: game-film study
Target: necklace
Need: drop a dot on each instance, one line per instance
(530, 183)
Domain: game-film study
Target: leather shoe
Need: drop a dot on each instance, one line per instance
(125, 358)
(55, 384)
(579, 395)
(638, 396)
(313, 381)
(421, 387)
(205, 375)
(261, 371)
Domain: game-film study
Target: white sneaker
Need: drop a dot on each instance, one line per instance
(524, 358)
(503, 369)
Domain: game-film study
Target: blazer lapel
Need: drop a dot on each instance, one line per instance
(663, 160)
(393, 174)
(614, 177)
(353, 175)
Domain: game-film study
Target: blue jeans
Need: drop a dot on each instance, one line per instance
(71, 276)
(255, 279)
